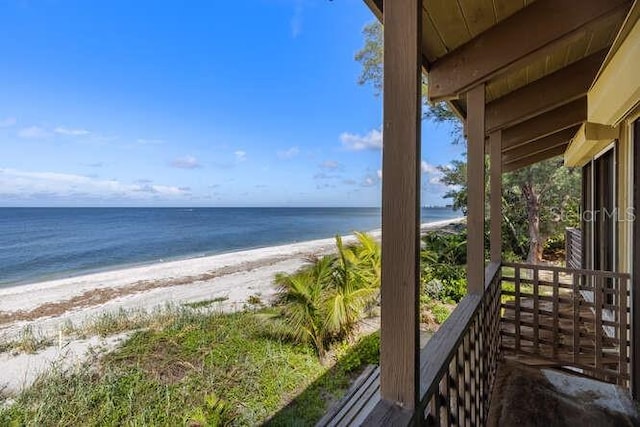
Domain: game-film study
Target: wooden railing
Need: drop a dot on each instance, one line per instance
(568, 317)
(554, 316)
(457, 372)
(458, 364)
(573, 247)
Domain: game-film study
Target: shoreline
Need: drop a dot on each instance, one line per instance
(47, 309)
(235, 276)
(74, 274)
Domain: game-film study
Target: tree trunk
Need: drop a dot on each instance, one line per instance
(536, 242)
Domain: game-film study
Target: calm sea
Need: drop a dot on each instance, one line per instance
(48, 243)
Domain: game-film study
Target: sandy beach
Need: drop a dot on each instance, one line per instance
(47, 307)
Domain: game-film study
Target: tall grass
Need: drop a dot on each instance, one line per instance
(187, 368)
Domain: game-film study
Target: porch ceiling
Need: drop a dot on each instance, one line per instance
(537, 60)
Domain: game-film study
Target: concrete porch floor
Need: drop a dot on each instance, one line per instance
(526, 396)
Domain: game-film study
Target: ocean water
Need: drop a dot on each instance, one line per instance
(39, 244)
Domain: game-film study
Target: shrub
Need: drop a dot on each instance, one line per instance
(443, 275)
(445, 283)
(440, 312)
(365, 352)
(445, 248)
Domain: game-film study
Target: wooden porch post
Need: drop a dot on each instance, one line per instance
(495, 147)
(399, 353)
(475, 189)
(635, 268)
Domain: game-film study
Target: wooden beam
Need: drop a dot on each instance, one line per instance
(495, 147)
(617, 89)
(475, 192)
(588, 140)
(559, 138)
(635, 268)
(399, 353)
(545, 94)
(535, 158)
(376, 7)
(564, 117)
(536, 30)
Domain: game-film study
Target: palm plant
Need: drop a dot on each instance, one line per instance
(445, 248)
(355, 284)
(302, 298)
(325, 300)
(369, 255)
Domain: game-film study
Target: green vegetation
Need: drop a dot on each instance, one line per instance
(206, 303)
(28, 341)
(188, 366)
(443, 257)
(440, 312)
(111, 323)
(194, 368)
(323, 302)
(538, 201)
(255, 299)
(443, 274)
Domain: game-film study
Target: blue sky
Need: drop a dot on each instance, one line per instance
(201, 103)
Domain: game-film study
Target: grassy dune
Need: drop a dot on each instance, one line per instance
(191, 367)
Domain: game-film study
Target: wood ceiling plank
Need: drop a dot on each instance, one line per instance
(478, 14)
(511, 44)
(432, 45)
(535, 70)
(564, 117)
(498, 88)
(448, 21)
(576, 51)
(535, 158)
(543, 144)
(604, 35)
(517, 79)
(505, 8)
(548, 93)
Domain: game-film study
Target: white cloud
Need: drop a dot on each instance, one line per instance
(288, 154)
(368, 181)
(241, 156)
(33, 132)
(71, 132)
(379, 173)
(330, 165)
(8, 122)
(26, 184)
(186, 162)
(429, 168)
(356, 142)
(432, 176)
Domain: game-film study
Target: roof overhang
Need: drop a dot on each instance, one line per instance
(537, 59)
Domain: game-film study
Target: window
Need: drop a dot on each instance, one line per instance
(599, 213)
